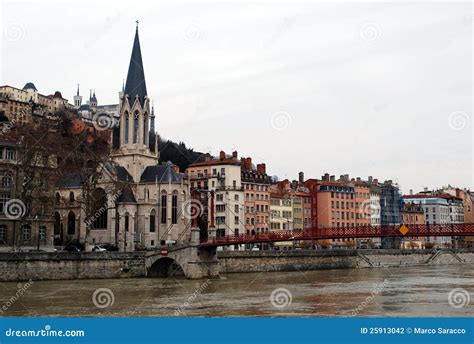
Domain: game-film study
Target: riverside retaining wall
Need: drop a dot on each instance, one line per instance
(266, 261)
(71, 265)
(91, 265)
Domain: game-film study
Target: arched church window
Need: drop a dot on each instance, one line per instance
(71, 223)
(127, 222)
(100, 209)
(135, 127)
(164, 200)
(145, 128)
(127, 126)
(152, 221)
(174, 208)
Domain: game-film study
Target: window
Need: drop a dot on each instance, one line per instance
(236, 198)
(152, 221)
(6, 179)
(127, 222)
(145, 128)
(42, 233)
(236, 220)
(164, 201)
(174, 208)
(71, 196)
(26, 232)
(9, 154)
(4, 198)
(71, 223)
(236, 208)
(135, 127)
(127, 126)
(101, 209)
(3, 233)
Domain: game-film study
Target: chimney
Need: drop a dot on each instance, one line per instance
(411, 191)
(261, 168)
(222, 155)
(234, 155)
(370, 179)
(376, 181)
(248, 164)
(326, 177)
(425, 188)
(341, 177)
(301, 177)
(358, 179)
(332, 178)
(346, 177)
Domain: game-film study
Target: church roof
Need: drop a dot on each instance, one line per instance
(123, 175)
(161, 174)
(70, 180)
(127, 196)
(135, 85)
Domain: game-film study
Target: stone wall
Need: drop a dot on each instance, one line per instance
(265, 261)
(70, 265)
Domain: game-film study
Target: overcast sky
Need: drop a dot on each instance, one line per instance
(364, 88)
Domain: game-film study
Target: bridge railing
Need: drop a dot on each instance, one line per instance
(362, 231)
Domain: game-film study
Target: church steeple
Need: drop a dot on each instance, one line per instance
(135, 85)
(136, 146)
(152, 118)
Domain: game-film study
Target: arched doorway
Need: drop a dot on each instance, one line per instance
(165, 267)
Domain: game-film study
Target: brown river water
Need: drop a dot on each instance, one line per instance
(422, 291)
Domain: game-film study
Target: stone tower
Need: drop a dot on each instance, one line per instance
(134, 151)
(77, 99)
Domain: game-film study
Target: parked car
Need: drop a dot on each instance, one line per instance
(255, 248)
(72, 248)
(98, 248)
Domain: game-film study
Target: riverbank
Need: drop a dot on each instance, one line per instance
(100, 265)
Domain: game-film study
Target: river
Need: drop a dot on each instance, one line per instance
(421, 291)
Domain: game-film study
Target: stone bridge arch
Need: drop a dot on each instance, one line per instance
(195, 262)
(164, 267)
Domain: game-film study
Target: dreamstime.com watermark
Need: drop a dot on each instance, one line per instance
(198, 291)
(368, 300)
(22, 288)
(109, 204)
(46, 332)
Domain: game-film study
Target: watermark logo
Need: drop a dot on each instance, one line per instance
(281, 298)
(369, 31)
(367, 209)
(103, 298)
(459, 120)
(103, 121)
(459, 298)
(14, 32)
(192, 208)
(14, 209)
(281, 120)
(192, 32)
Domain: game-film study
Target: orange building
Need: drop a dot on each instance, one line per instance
(413, 214)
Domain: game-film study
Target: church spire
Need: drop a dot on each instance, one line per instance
(78, 90)
(152, 118)
(135, 85)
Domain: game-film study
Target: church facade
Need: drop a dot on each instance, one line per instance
(151, 210)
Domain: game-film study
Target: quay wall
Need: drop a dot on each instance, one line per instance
(267, 261)
(96, 265)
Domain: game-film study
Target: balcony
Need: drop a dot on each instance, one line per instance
(229, 188)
